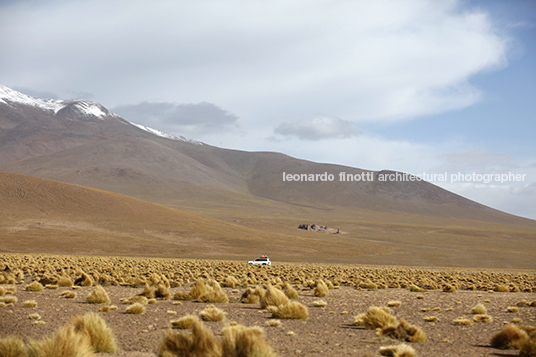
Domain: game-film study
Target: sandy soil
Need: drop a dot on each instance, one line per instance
(327, 332)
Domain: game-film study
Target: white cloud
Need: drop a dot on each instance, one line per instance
(188, 119)
(318, 128)
(356, 60)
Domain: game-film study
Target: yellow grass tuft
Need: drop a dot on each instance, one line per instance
(404, 331)
(273, 323)
(512, 309)
(273, 297)
(293, 310)
(136, 308)
(64, 343)
(30, 303)
(252, 296)
(35, 286)
(212, 313)
(12, 347)
(462, 321)
(402, 350)
(290, 292)
(199, 342)
(100, 335)
(9, 300)
(414, 288)
(376, 317)
(98, 296)
(51, 286)
(320, 303)
(502, 288)
(140, 299)
(482, 318)
(479, 309)
(68, 294)
(35, 316)
(321, 289)
(84, 280)
(510, 337)
(431, 319)
(240, 341)
(65, 281)
(394, 303)
(528, 349)
(185, 322)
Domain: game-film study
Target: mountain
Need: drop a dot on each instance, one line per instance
(83, 143)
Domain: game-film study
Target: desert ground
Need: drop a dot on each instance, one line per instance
(446, 294)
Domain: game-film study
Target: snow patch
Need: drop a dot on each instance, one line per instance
(166, 135)
(9, 96)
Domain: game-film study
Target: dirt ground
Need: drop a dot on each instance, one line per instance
(327, 332)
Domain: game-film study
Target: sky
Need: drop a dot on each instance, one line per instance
(420, 86)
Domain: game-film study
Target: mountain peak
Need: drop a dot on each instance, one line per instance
(86, 108)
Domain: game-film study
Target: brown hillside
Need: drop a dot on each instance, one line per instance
(45, 216)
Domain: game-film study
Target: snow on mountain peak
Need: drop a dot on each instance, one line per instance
(166, 135)
(9, 96)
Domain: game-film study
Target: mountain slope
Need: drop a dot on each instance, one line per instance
(405, 223)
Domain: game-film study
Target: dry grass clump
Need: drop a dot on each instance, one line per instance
(84, 280)
(185, 322)
(404, 331)
(199, 342)
(99, 334)
(462, 321)
(512, 309)
(214, 294)
(35, 286)
(66, 342)
(479, 309)
(12, 347)
(376, 317)
(51, 286)
(30, 303)
(35, 316)
(402, 350)
(9, 300)
(414, 288)
(273, 323)
(510, 337)
(501, 289)
(65, 281)
(290, 292)
(273, 297)
(482, 318)
(394, 303)
(528, 349)
(68, 294)
(98, 296)
(449, 289)
(293, 310)
(252, 296)
(212, 313)
(236, 341)
(320, 303)
(136, 308)
(230, 282)
(140, 299)
(431, 318)
(204, 292)
(321, 289)
(242, 341)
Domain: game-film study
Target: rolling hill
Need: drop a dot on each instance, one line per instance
(408, 223)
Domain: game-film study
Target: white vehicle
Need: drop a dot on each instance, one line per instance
(264, 260)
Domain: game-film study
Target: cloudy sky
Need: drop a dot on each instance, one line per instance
(420, 86)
